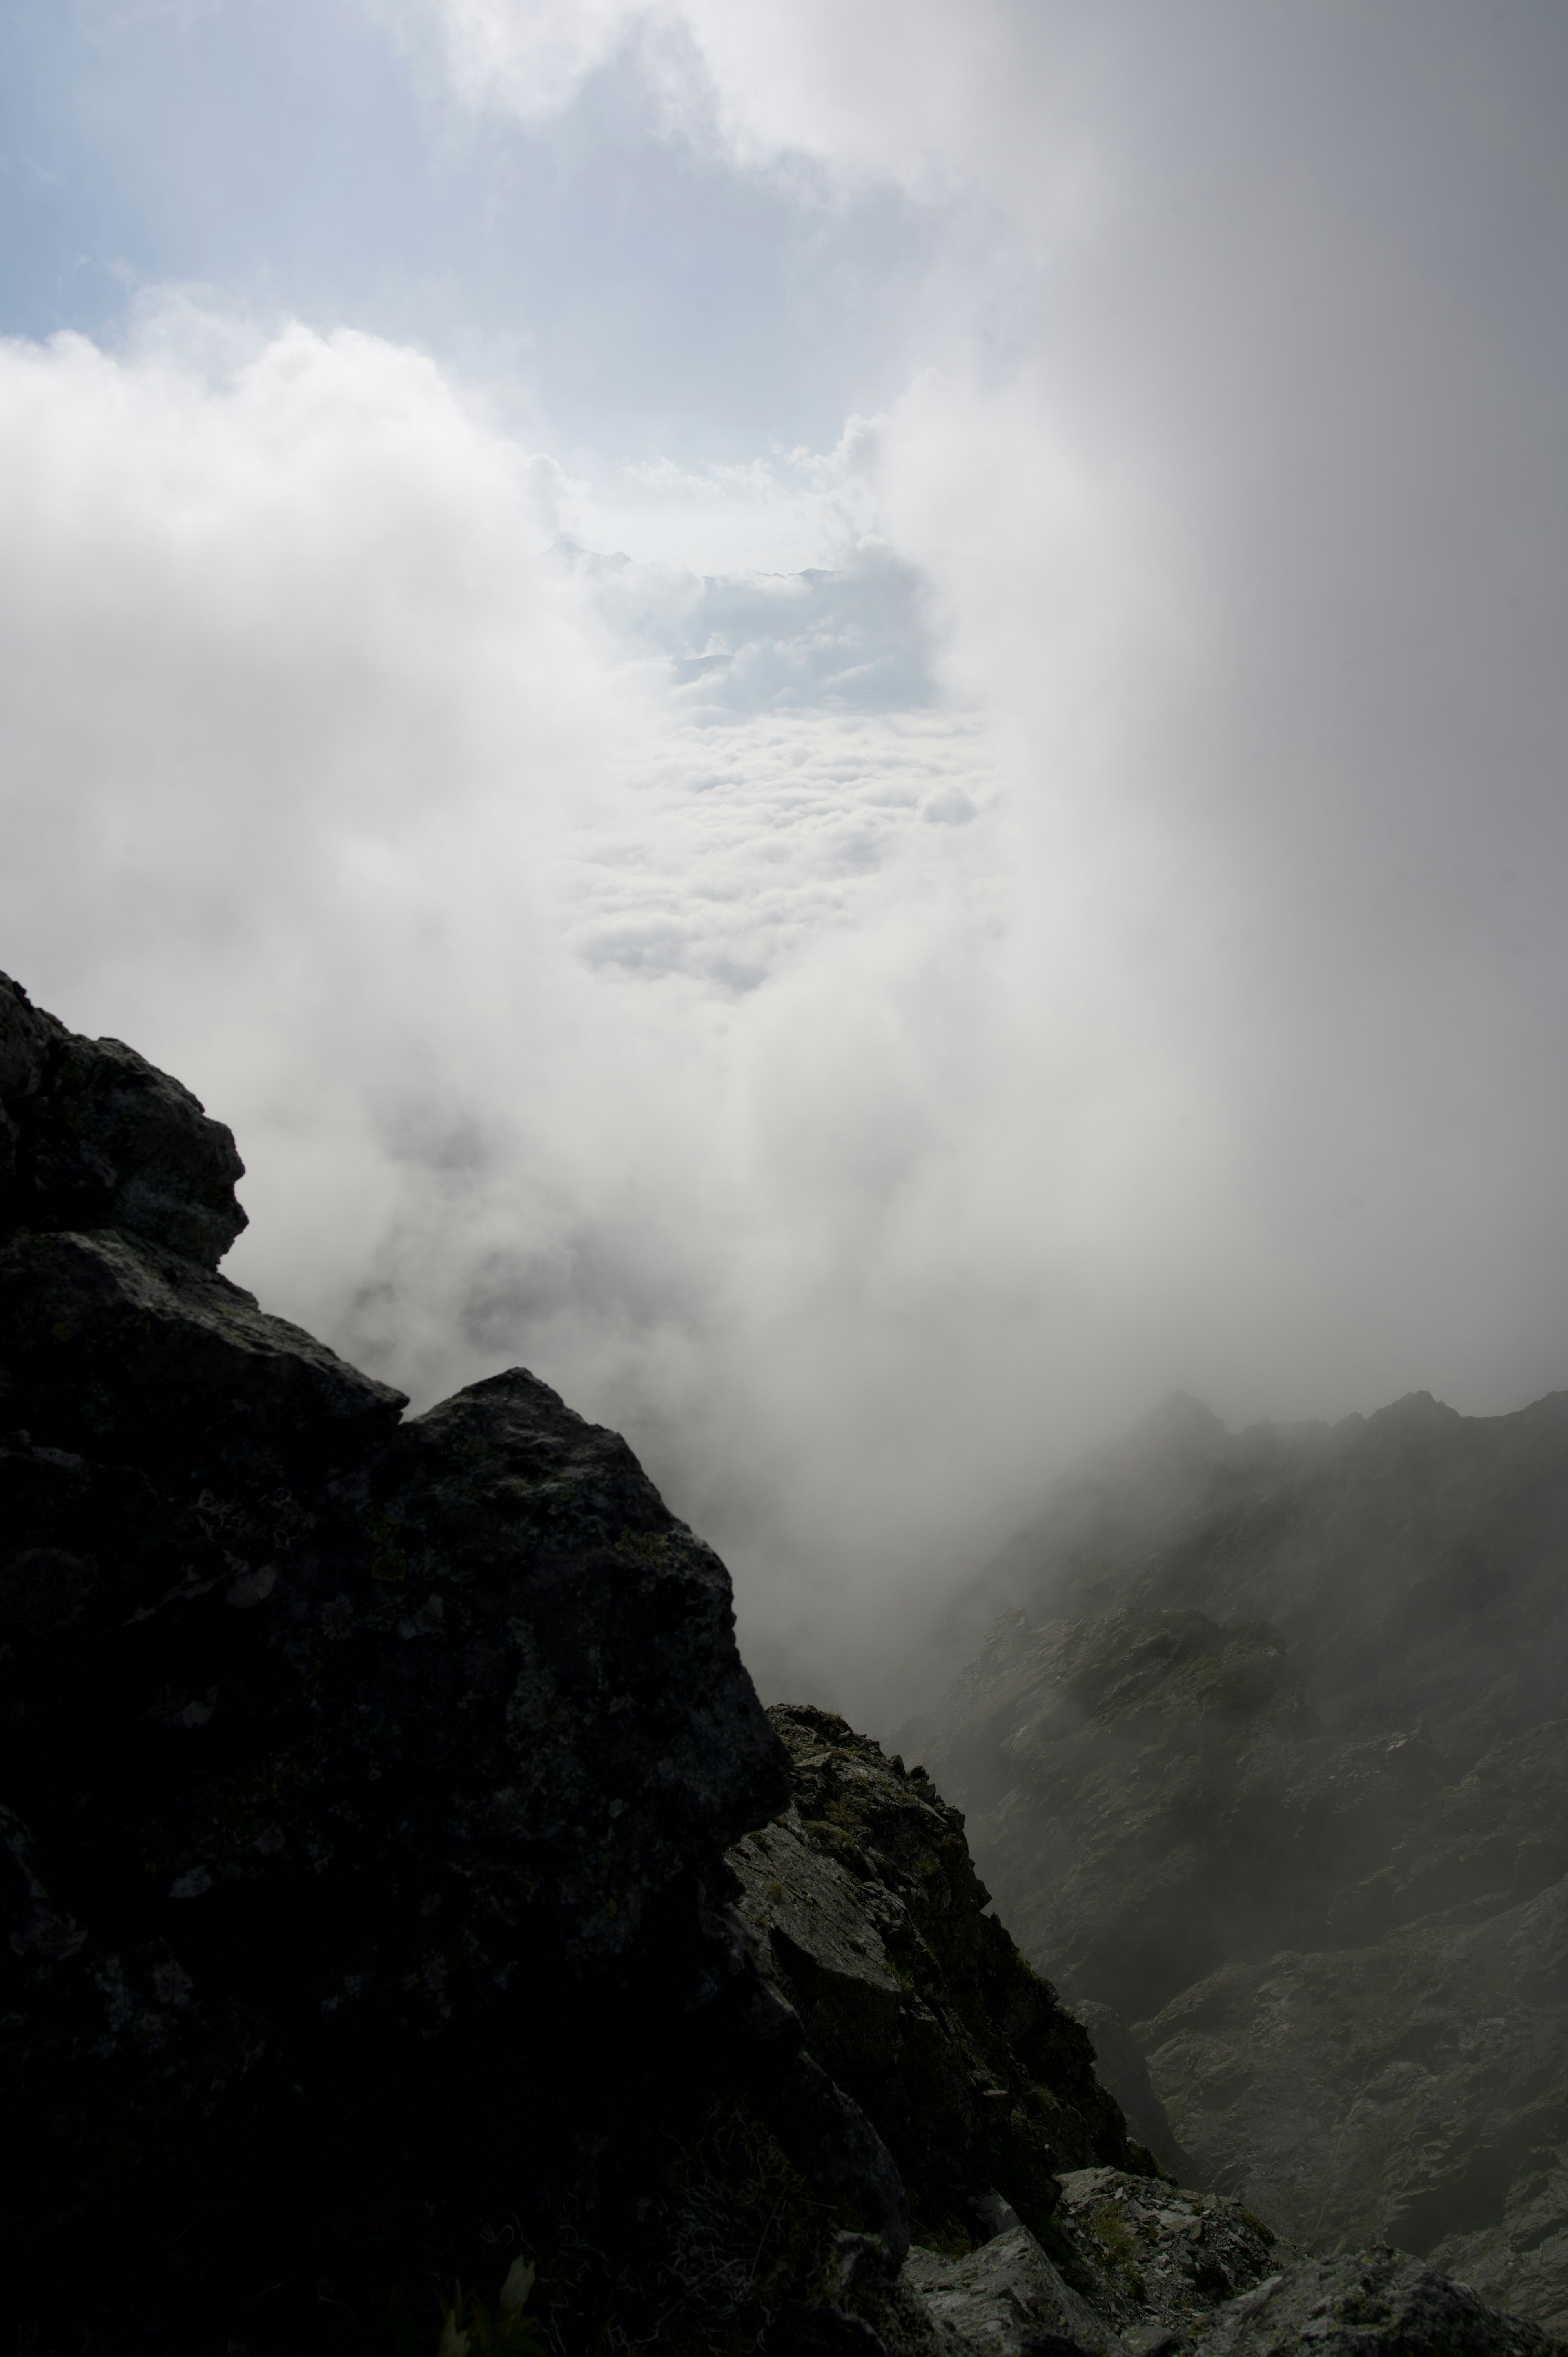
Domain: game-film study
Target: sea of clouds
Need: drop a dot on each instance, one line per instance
(1054, 898)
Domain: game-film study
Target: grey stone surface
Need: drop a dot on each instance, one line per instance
(870, 1919)
(1363, 2305)
(1414, 2089)
(1003, 2296)
(1161, 2258)
(1139, 2271)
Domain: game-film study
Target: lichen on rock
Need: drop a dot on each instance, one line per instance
(870, 1918)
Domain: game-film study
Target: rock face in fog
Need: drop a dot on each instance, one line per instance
(367, 1923)
(367, 1785)
(1267, 1756)
(366, 1788)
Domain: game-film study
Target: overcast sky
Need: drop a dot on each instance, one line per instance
(846, 721)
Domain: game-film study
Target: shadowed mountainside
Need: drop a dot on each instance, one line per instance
(1265, 1752)
(368, 1926)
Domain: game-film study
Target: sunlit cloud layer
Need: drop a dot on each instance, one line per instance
(865, 963)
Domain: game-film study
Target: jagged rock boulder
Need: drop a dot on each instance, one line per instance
(1041, 2227)
(1007, 2296)
(1159, 2260)
(113, 1345)
(92, 1135)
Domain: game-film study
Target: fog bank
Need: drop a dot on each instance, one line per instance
(869, 1027)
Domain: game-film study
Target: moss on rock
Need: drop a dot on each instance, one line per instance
(872, 1920)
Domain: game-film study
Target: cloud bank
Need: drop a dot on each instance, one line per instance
(866, 1029)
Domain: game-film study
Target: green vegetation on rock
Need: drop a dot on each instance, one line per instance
(870, 1918)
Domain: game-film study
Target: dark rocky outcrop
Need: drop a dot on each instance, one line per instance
(1265, 1754)
(366, 1788)
(1135, 2264)
(92, 1135)
(117, 1346)
(1363, 2306)
(871, 1924)
(1139, 2269)
(366, 1925)
(1041, 2227)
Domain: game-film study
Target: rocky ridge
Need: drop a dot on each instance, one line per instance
(866, 1910)
(367, 1784)
(1263, 1756)
(368, 1928)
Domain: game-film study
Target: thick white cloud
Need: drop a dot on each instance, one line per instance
(865, 1032)
(686, 1053)
(536, 58)
(1239, 497)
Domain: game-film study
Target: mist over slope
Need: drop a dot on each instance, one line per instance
(374, 1919)
(1266, 1750)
